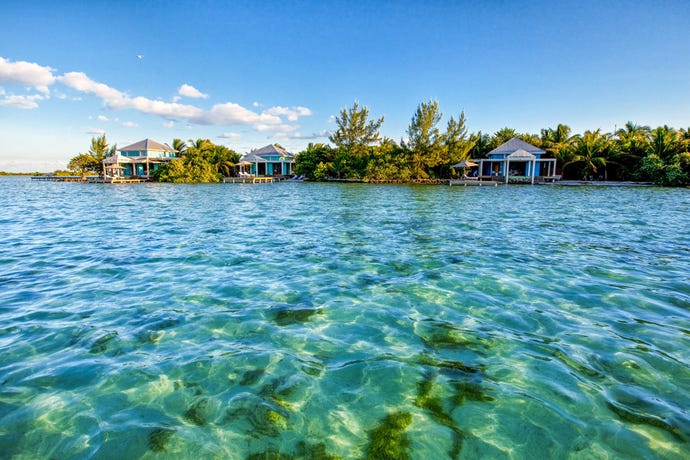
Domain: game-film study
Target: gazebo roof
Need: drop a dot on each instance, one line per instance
(513, 145)
(147, 145)
(522, 155)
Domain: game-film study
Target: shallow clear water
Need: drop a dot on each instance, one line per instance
(317, 320)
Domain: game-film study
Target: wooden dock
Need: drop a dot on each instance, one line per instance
(52, 178)
(473, 183)
(248, 180)
(115, 180)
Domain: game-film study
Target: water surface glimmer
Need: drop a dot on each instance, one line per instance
(351, 321)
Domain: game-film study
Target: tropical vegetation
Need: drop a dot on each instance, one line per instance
(359, 152)
(92, 162)
(198, 161)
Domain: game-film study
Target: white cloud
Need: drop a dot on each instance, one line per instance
(331, 119)
(275, 128)
(319, 135)
(21, 102)
(224, 114)
(26, 73)
(229, 135)
(80, 82)
(95, 131)
(129, 124)
(2, 92)
(102, 118)
(292, 114)
(256, 104)
(169, 124)
(190, 91)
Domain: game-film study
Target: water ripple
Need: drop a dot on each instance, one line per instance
(309, 319)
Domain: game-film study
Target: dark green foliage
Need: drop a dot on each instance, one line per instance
(313, 162)
(202, 161)
(355, 131)
(92, 161)
(389, 439)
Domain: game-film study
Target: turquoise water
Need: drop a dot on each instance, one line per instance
(350, 321)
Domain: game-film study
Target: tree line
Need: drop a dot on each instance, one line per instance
(633, 152)
(359, 152)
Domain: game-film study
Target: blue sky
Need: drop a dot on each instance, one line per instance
(246, 74)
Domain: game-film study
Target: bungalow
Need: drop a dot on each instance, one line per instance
(138, 159)
(271, 160)
(517, 161)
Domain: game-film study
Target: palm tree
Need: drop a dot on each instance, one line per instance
(502, 136)
(481, 144)
(99, 146)
(665, 142)
(225, 160)
(684, 135)
(559, 143)
(98, 150)
(632, 145)
(180, 146)
(591, 151)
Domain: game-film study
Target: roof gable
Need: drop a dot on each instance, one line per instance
(267, 151)
(271, 149)
(521, 154)
(513, 146)
(147, 145)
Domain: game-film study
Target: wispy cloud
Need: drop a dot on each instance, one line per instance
(228, 113)
(276, 119)
(129, 124)
(26, 73)
(320, 135)
(21, 102)
(229, 135)
(95, 131)
(190, 91)
(102, 118)
(292, 114)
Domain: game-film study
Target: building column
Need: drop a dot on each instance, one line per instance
(534, 167)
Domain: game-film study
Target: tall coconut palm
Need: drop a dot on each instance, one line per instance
(591, 151)
(684, 139)
(559, 143)
(664, 142)
(481, 144)
(632, 145)
(180, 146)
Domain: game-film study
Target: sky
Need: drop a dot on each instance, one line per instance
(245, 74)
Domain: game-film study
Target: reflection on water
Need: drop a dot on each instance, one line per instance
(343, 321)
